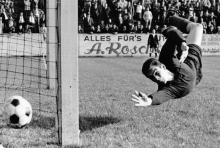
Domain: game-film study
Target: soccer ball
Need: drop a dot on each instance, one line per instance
(17, 112)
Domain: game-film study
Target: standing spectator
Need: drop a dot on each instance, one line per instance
(5, 18)
(27, 8)
(155, 11)
(153, 43)
(119, 20)
(204, 24)
(183, 15)
(11, 7)
(125, 14)
(128, 21)
(32, 23)
(184, 7)
(200, 16)
(206, 17)
(163, 19)
(205, 5)
(131, 9)
(218, 15)
(213, 19)
(95, 14)
(88, 23)
(43, 20)
(106, 15)
(147, 17)
(139, 10)
(87, 6)
(190, 13)
(34, 4)
(21, 20)
(43, 31)
(157, 29)
(197, 8)
(11, 27)
(194, 18)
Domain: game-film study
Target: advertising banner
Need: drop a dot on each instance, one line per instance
(133, 44)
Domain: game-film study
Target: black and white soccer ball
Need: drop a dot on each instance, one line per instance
(17, 112)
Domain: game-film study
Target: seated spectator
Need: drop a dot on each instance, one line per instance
(80, 29)
(106, 30)
(141, 29)
(124, 30)
(20, 29)
(92, 30)
(115, 29)
(147, 29)
(218, 30)
(128, 21)
(98, 29)
(157, 29)
(211, 30)
(131, 28)
(110, 27)
(110, 22)
(43, 31)
(102, 26)
(11, 28)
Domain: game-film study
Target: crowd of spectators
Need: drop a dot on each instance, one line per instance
(30, 20)
(128, 16)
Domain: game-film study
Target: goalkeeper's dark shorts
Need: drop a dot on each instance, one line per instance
(193, 60)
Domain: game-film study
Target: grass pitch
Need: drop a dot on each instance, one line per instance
(109, 119)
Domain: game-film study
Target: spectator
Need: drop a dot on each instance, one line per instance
(110, 23)
(92, 29)
(147, 17)
(34, 4)
(98, 29)
(197, 8)
(147, 29)
(204, 24)
(163, 19)
(106, 30)
(125, 14)
(43, 20)
(130, 9)
(102, 26)
(131, 28)
(87, 6)
(184, 7)
(163, 28)
(21, 20)
(119, 20)
(5, 18)
(157, 29)
(123, 4)
(11, 25)
(106, 15)
(43, 31)
(176, 4)
(153, 43)
(190, 13)
(20, 29)
(200, 16)
(115, 29)
(27, 8)
(183, 15)
(194, 18)
(211, 29)
(124, 30)
(218, 15)
(205, 5)
(218, 30)
(80, 29)
(139, 10)
(155, 11)
(206, 17)
(128, 21)
(95, 14)
(11, 7)
(88, 23)
(32, 23)
(213, 19)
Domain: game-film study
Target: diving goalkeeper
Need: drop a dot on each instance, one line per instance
(178, 69)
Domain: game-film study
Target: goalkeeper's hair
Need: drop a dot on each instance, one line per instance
(147, 66)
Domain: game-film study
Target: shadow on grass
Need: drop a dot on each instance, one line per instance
(89, 123)
(85, 123)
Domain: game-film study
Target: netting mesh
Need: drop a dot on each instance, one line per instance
(23, 71)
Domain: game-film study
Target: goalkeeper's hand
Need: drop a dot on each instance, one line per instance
(141, 99)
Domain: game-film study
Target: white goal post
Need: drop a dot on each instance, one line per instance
(62, 17)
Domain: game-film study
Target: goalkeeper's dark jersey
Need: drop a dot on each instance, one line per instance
(186, 75)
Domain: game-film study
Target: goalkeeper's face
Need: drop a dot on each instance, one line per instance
(160, 74)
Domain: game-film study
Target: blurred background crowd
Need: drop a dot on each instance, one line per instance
(141, 16)
(23, 16)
